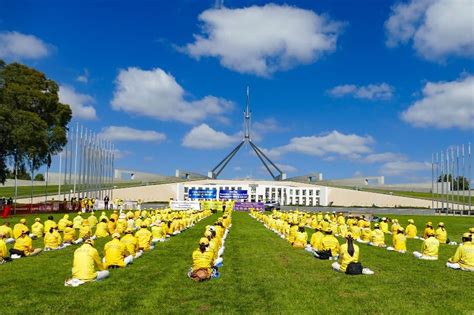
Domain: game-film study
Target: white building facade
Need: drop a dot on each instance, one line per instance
(284, 192)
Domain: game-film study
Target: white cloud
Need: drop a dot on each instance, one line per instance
(381, 91)
(120, 154)
(83, 78)
(204, 137)
(444, 105)
(403, 167)
(287, 168)
(264, 39)
(122, 133)
(156, 94)
(437, 28)
(16, 45)
(80, 103)
(348, 146)
(383, 157)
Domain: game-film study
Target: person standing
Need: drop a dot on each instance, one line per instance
(106, 202)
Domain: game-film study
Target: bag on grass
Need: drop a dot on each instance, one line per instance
(325, 255)
(354, 268)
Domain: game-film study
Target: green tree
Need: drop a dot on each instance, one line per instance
(34, 122)
(39, 177)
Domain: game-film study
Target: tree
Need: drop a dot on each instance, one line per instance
(459, 183)
(33, 123)
(39, 177)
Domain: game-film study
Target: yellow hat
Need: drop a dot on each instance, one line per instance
(89, 241)
(441, 224)
(411, 221)
(471, 230)
(24, 230)
(143, 225)
(37, 220)
(23, 221)
(467, 235)
(431, 233)
(116, 235)
(328, 230)
(429, 223)
(401, 229)
(301, 224)
(207, 233)
(204, 241)
(79, 213)
(376, 225)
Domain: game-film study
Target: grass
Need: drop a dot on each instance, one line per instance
(261, 274)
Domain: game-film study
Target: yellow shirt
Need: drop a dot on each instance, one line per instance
(86, 258)
(202, 260)
(6, 230)
(430, 247)
(24, 244)
(3, 249)
(69, 235)
(464, 256)
(101, 230)
(52, 240)
(383, 226)
(355, 230)
(377, 237)
(144, 239)
(84, 231)
(441, 235)
(92, 220)
(77, 222)
(37, 229)
(300, 239)
(329, 242)
(17, 229)
(345, 259)
(157, 232)
(48, 224)
(316, 240)
(400, 242)
(131, 243)
(115, 252)
(411, 231)
(427, 231)
(365, 234)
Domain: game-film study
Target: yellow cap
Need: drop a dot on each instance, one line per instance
(79, 213)
(128, 230)
(411, 221)
(376, 225)
(401, 229)
(207, 233)
(116, 235)
(467, 235)
(143, 225)
(429, 223)
(204, 241)
(23, 221)
(471, 230)
(441, 224)
(89, 241)
(37, 220)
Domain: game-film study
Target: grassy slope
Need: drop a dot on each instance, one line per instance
(262, 273)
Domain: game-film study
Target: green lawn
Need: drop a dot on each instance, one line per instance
(261, 274)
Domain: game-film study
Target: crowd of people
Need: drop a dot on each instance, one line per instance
(361, 229)
(132, 234)
(207, 258)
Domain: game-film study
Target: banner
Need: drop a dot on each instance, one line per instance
(202, 193)
(185, 205)
(246, 206)
(233, 194)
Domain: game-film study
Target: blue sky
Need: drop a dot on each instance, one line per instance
(346, 89)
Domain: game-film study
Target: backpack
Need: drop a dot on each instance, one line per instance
(325, 255)
(354, 268)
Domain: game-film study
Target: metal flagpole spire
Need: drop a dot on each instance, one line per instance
(469, 174)
(452, 178)
(463, 180)
(75, 158)
(458, 177)
(432, 181)
(437, 181)
(442, 180)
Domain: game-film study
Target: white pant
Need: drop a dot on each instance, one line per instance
(458, 267)
(102, 275)
(218, 261)
(128, 260)
(421, 256)
(138, 254)
(336, 266)
(221, 251)
(10, 240)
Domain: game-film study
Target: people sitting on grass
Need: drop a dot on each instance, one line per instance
(131, 243)
(63, 222)
(349, 259)
(399, 241)
(7, 232)
(365, 233)
(384, 225)
(329, 248)
(463, 258)
(116, 253)
(315, 243)
(87, 265)
(428, 229)
(17, 228)
(4, 256)
(411, 230)
(24, 246)
(145, 238)
(52, 239)
(377, 237)
(101, 229)
(394, 227)
(49, 223)
(201, 269)
(77, 221)
(37, 229)
(301, 238)
(442, 235)
(429, 248)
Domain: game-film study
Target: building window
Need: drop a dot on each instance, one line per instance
(297, 192)
(186, 189)
(310, 192)
(304, 192)
(291, 191)
(317, 192)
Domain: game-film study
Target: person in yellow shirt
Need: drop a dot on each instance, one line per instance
(463, 259)
(384, 225)
(63, 222)
(17, 228)
(365, 234)
(411, 230)
(92, 220)
(24, 246)
(144, 238)
(201, 269)
(7, 231)
(329, 246)
(85, 231)
(349, 254)
(103, 216)
(86, 262)
(4, 256)
(111, 226)
(441, 234)
(52, 240)
(37, 229)
(399, 241)
(48, 224)
(377, 237)
(157, 230)
(114, 215)
(315, 243)
(395, 226)
(116, 254)
(77, 221)
(131, 242)
(429, 248)
(101, 229)
(301, 238)
(69, 235)
(428, 230)
(355, 231)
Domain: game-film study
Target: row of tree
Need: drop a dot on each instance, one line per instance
(458, 182)
(33, 123)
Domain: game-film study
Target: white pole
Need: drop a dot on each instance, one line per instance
(75, 158)
(442, 180)
(463, 179)
(432, 181)
(59, 178)
(437, 181)
(469, 174)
